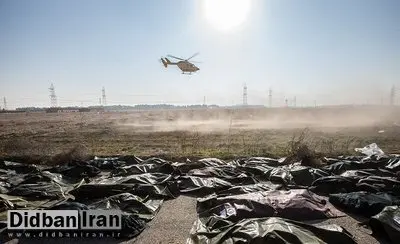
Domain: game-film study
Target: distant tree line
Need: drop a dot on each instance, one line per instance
(127, 107)
(119, 107)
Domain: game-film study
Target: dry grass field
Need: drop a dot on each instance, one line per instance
(178, 134)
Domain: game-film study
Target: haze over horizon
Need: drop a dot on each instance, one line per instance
(334, 52)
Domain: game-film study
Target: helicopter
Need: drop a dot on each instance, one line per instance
(184, 65)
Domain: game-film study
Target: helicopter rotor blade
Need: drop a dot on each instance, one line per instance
(175, 57)
(194, 55)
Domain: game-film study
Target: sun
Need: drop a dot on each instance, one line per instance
(225, 15)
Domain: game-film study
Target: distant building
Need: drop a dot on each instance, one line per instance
(67, 110)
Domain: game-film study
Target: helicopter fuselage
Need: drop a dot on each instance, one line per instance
(187, 67)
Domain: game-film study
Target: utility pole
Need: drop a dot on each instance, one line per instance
(100, 101)
(204, 101)
(294, 101)
(286, 102)
(104, 96)
(270, 98)
(5, 103)
(392, 95)
(53, 97)
(245, 95)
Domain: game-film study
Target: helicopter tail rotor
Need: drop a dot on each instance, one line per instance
(165, 62)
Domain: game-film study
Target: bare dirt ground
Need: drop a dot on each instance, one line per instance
(219, 133)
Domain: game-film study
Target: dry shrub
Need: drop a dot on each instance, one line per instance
(299, 150)
(77, 153)
(297, 144)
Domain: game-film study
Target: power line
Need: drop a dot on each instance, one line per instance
(76, 100)
(135, 95)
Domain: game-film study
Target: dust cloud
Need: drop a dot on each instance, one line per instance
(223, 120)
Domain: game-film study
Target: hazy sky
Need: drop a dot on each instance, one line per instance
(331, 51)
